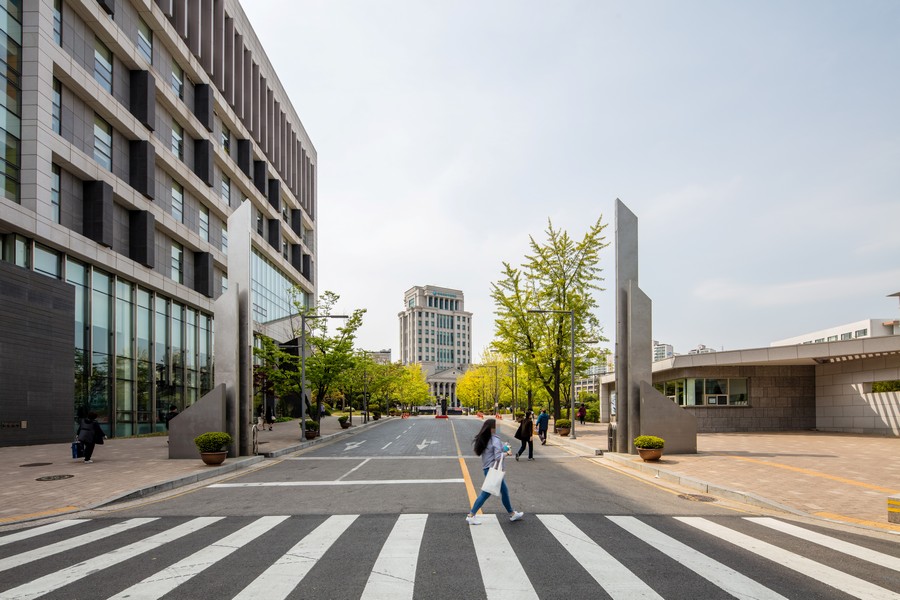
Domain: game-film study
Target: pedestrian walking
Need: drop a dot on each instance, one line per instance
(490, 448)
(582, 412)
(543, 424)
(270, 415)
(525, 433)
(90, 434)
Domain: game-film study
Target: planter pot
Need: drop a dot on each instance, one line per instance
(311, 435)
(345, 425)
(650, 454)
(213, 458)
(563, 431)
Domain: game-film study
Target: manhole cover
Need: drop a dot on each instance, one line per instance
(36, 465)
(696, 498)
(54, 477)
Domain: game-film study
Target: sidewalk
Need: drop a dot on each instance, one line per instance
(842, 477)
(836, 476)
(122, 469)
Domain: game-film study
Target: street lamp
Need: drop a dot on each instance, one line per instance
(571, 314)
(303, 395)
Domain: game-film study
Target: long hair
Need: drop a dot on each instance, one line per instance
(482, 438)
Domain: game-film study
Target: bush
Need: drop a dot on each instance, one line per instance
(212, 441)
(394, 412)
(283, 419)
(342, 419)
(593, 415)
(311, 425)
(563, 424)
(376, 415)
(648, 442)
(520, 415)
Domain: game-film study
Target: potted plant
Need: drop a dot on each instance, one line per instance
(312, 429)
(376, 415)
(649, 447)
(211, 446)
(343, 421)
(563, 426)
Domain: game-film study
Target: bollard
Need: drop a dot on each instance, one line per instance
(611, 438)
(893, 507)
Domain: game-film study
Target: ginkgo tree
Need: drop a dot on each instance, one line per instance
(559, 274)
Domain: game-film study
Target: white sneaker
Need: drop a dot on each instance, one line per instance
(472, 520)
(89, 461)
(516, 516)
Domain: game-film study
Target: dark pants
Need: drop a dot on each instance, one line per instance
(88, 450)
(530, 445)
(542, 433)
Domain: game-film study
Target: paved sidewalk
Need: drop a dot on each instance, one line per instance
(841, 477)
(122, 469)
(837, 476)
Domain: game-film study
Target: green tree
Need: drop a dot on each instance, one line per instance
(560, 274)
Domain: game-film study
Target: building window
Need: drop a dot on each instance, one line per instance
(102, 142)
(177, 262)
(178, 140)
(103, 65)
(259, 222)
(57, 22)
(224, 238)
(178, 201)
(145, 41)
(224, 283)
(178, 80)
(46, 261)
(204, 223)
(57, 106)
(861, 333)
(226, 140)
(707, 392)
(226, 190)
(284, 250)
(847, 336)
(54, 193)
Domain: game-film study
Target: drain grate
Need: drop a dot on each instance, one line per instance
(696, 498)
(36, 465)
(54, 477)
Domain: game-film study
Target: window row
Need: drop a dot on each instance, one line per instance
(718, 391)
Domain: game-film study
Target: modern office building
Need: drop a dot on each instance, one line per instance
(436, 332)
(867, 328)
(133, 129)
(662, 351)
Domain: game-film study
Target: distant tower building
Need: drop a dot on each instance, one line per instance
(701, 349)
(662, 351)
(436, 332)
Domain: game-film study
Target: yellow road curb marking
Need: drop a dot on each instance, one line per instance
(43, 513)
(836, 517)
(818, 474)
(470, 487)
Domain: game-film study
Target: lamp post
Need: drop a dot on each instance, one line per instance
(365, 389)
(571, 314)
(303, 319)
(496, 377)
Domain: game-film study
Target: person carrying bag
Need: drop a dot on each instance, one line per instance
(490, 448)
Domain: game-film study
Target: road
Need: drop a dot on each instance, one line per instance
(380, 514)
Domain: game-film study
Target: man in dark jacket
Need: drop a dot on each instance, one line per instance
(90, 434)
(543, 424)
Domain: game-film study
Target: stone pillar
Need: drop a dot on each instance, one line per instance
(626, 271)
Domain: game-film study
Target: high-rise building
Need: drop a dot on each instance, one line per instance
(662, 351)
(436, 332)
(133, 129)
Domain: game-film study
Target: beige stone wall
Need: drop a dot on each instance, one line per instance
(846, 401)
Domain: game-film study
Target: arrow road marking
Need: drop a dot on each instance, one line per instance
(425, 444)
(352, 445)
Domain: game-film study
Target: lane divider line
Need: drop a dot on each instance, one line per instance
(470, 488)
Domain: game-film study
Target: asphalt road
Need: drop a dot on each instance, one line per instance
(380, 514)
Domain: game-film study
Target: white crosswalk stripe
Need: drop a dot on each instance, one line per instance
(501, 571)
(394, 574)
(848, 584)
(404, 566)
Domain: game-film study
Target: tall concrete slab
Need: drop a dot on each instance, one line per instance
(626, 271)
(207, 414)
(638, 354)
(663, 418)
(228, 365)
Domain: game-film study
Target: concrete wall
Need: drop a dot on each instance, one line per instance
(782, 398)
(845, 399)
(37, 326)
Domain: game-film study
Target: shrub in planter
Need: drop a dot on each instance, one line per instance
(376, 415)
(649, 442)
(563, 424)
(212, 441)
(311, 425)
(342, 419)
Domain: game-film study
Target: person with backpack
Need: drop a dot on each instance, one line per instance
(525, 433)
(489, 447)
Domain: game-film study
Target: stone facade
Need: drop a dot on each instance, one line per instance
(847, 402)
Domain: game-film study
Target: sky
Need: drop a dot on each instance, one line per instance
(758, 144)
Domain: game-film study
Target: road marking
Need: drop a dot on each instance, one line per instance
(353, 445)
(327, 483)
(453, 457)
(880, 559)
(386, 445)
(394, 575)
(54, 581)
(877, 488)
(501, 572)
(867, 523)
(163, 582)
(43, 513)
(79, 541)
(470, 489)
(281, 578)
(721, 575)
(24, 535)
(353, 469)
(848, 584)
(425, 443)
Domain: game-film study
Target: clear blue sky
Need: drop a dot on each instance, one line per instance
(757, 142)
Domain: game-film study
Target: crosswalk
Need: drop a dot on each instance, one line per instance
(409, 556)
